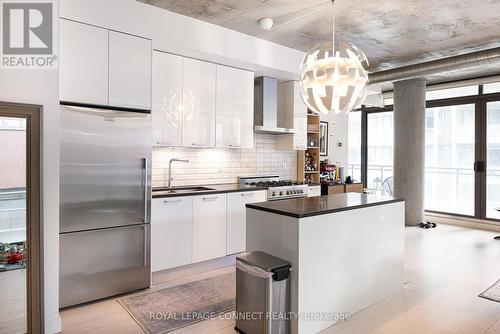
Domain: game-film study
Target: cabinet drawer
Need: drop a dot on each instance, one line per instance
(337, 189)
(354, 188)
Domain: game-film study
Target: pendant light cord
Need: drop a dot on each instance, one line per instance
(333, 25)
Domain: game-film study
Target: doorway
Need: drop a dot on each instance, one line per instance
(20, 223)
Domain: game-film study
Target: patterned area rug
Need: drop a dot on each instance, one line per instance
(493, 292)
(163, 310)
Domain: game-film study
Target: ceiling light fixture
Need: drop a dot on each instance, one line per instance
(333, 78)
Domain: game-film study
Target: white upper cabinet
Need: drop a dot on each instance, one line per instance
(234, 121)
(83, 63)
(292, 113)
(129, 71)
(167, 99)
(198, 103)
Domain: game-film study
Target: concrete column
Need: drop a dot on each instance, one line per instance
(409, 147)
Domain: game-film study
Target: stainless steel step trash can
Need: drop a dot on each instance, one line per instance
(262, 294)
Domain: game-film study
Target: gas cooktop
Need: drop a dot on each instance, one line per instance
(276, 188)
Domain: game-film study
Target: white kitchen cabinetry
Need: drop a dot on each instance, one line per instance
(234, 108)
(236, 218)
(314, 191)
(198, 103)
(171, 232)
(83, 63)
(209, 227)
(167, 99)
(129, 71)
(292, 113)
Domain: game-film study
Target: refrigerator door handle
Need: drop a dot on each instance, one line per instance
(146, 246)
(145, 188)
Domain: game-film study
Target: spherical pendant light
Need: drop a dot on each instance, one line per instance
(333, 79)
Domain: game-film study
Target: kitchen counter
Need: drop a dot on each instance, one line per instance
(213, 189)
(346, 251)
(314, 206)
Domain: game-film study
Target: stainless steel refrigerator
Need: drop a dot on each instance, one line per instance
(104, 203)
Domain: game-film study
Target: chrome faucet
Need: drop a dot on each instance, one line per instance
(170, 178)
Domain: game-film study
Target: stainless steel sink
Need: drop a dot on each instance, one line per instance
(182, 190)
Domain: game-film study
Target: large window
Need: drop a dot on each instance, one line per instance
(354, 146)
(449, 159)
(493, 159)
(462, 149)
(380, 148)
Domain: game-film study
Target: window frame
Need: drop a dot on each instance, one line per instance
(480, 146)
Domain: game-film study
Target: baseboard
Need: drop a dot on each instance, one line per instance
(192, 269)
(53, 326)
(479, 224)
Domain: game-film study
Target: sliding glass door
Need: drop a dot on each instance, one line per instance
(493, 160)
(462, 151)
(354, 146)
(449, 159)
(380, 148)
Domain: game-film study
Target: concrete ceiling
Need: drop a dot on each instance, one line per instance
(391, 32)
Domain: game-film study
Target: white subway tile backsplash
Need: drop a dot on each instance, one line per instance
(212, 166)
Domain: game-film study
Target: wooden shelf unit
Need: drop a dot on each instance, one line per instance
(312, 133)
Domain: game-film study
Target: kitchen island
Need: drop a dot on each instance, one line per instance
(346, 252)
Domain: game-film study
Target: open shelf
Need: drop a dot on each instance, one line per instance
(313, 120)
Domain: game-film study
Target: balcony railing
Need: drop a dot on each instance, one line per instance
(448, 189)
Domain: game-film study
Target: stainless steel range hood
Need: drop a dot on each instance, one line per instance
(266, 107)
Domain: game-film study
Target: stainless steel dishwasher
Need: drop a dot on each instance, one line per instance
(262, 294)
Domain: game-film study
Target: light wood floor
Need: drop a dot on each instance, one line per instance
(13, 301)
(445, 268)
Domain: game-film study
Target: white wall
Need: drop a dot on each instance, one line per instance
(41, 87)
(190, 37)
(338, 128)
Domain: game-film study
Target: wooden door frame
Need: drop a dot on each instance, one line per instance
(34, 230)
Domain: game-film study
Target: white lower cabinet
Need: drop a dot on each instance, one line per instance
(314, 191)
(236, 218)
(190, 229)
(209, 227)
(171, 232)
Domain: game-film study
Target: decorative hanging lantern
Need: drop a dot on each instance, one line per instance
(333, 79)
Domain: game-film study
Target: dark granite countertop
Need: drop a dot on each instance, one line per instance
(314, 206)
(214, 189)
